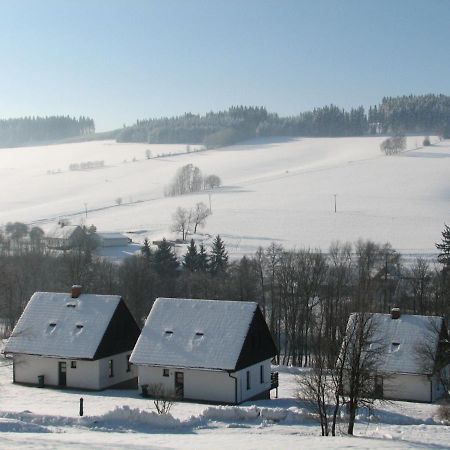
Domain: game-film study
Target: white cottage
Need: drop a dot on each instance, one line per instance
(414, 356)
(64, 237)
(208, 350)
(74, 340)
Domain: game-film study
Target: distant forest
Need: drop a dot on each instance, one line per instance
(35, 130)
(394, 115)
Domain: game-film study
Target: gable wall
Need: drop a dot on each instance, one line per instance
(256, 387)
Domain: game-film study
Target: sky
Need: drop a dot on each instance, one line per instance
(118, 61)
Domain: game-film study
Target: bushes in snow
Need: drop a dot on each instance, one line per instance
(393, 145)
(87, 165)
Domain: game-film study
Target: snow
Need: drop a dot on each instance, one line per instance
(410, 332)
(194, 333)
(48, 418)
(273, 190)
(55, 324)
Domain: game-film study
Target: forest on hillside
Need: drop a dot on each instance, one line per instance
(35, 130)
(406, 114)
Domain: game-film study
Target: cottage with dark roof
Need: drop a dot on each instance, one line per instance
(413, 360)
(73, 340)
(209, 350)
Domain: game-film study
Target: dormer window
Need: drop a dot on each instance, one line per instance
(79, 326)
(199, 334)
(395, 346)
(168, 333)
(71, 305)
(52, 324)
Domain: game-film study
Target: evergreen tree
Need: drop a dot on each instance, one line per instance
(190, 260)
(165, 262)
(444, 247)
(202, 259)
(219, 257)
(146, 250)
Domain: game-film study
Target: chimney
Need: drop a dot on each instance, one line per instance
(395, 313)
(76, 290)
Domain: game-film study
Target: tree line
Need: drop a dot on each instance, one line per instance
(302, 293)
(414, 113)
(33, 130)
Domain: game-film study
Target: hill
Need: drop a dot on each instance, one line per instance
(277, 189)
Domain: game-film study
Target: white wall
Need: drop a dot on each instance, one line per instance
(256, 387)
(87, 374)
(407, 387)
(208, 385)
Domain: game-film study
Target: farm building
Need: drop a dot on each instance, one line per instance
(112, 240)
(413, 356)
(74, 340)
(208, 350)
(63, 237)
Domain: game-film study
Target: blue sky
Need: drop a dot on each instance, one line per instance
(117, 61)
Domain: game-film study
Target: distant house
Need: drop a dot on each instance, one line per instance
(209, 350)
(112, 240)
(73, 340)
(63, 237)
(413, 356)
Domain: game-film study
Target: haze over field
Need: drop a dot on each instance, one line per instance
(277, 189)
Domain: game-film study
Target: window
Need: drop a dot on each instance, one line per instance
(128, 363)
(111, 368)
(395, 346)
(248, 380)
(261, 373)
(165, 372)
(73, 364)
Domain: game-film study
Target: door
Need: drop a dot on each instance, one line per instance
(62, 371)
(179, 385)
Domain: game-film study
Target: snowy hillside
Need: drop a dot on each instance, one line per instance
(273, 190)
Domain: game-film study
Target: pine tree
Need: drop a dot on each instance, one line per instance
(219, 257)
(165, 261)
(202, 259)
(444, 247)
(190, 259)
(146, 250)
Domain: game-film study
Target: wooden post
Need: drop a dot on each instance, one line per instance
(81, 406)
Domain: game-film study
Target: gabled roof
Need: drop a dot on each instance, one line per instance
(405, 343)
(206, 334)
(55, 324)
(65, 232)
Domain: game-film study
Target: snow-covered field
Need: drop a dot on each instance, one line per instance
(273, 190)
(48, 418)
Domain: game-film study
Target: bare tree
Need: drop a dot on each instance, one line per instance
(393, 145)
(361, 353)
(212, 181)
(182, 221)
(163, 402)
(199, 215)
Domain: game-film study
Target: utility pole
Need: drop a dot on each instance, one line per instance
(209, 195)
(335, 203)
(85, 209)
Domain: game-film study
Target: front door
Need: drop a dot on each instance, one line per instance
(179, 385)
(62, 370)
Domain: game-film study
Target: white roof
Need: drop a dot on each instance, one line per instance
(64, 232)
(205, 334)
(111, 235)
(402, 339)
(55, 324)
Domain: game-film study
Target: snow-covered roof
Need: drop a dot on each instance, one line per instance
(111, 235)
(55, 324)
(193, 333)
(405, 342)
(64, 232)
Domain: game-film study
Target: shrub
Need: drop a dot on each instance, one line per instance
(426, 142)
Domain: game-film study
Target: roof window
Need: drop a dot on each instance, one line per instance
(71, 305)
(395, 346)
(52, 324)
(79, 326)
(199, 334)
(168, 333)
